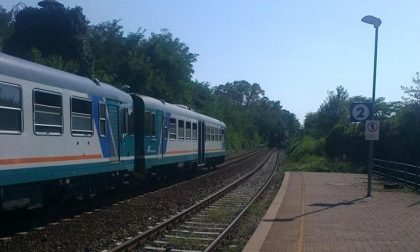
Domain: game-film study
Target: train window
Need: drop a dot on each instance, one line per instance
(223, 135)
(207, 133)
(131, 123)
(181, 130)
(153, 126)
(212, 133)
(48, 113)
(220, 135)
(124, 121)
(194, 131)
(81, 117)
(102, 119)
(149, 124)
(10, 108)
(146, 123)
(188, 130)
(164, 128)
(215, 134)
(172, 128)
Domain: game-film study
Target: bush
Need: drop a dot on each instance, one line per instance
(306, 146)
(321, 164)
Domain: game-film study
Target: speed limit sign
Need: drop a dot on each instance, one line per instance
(360, 112)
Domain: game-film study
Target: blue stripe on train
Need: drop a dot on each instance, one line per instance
(104, 141)
(27, 175)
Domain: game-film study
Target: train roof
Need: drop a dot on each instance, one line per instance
(176, 109)
(30, 71)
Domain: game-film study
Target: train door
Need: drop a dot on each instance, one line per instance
(160, 133)
(164, 135)
(151, 133)
(201, 142)
(114, 123)
(126, 133)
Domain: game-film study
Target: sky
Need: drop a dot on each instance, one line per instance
(296, 51)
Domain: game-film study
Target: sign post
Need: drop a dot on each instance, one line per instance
(363, 112)
(360, 111)
(376, 22)
(372, 130)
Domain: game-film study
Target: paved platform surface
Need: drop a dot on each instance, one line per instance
(329, 212)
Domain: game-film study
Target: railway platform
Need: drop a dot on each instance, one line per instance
(329, 212)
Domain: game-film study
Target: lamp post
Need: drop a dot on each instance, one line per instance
(376, 22)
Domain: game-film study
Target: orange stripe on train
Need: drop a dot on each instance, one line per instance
(189, 151)
(47, 159)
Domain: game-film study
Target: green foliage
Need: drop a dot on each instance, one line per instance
(5, 27)
(219, 215)
(310, 163)
(54, 60)
(159, 66)
(55, 31)
(400, 136)
(334, 110)
(172, 63)
(340, 140)
(307, 153)
(321, 164)
(253, 117)
(413, 91)
(306, 146)
(240, 93)
(109, 52)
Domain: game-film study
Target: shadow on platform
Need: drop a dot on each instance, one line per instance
(325, 205)
(414, 204)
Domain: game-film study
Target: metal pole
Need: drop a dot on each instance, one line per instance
(370, 167)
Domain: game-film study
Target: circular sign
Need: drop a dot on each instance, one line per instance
(360, 112)
(372, 126)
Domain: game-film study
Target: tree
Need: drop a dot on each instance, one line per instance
(254, 118)
(172, 65)
(334, 110)
(240, 92)
(413, 91)
(111, 59)
(5, 27)
(52, 32)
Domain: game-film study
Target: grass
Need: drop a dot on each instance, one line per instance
(314, 163)
(221, 215)
(192, 244)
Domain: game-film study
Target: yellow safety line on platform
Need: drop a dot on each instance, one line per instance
(302, 235)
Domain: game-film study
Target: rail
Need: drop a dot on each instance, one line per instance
(213, 246)
(404, 174)
(159, 229)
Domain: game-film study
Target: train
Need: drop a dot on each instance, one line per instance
(63, 135)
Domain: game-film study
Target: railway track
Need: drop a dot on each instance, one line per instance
(22, 221)
(203, 226)
(103, 228)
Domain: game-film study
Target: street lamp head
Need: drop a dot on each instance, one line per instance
(376, 22)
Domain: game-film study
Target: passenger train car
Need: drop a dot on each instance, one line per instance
(62, 135)
(173, 134)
